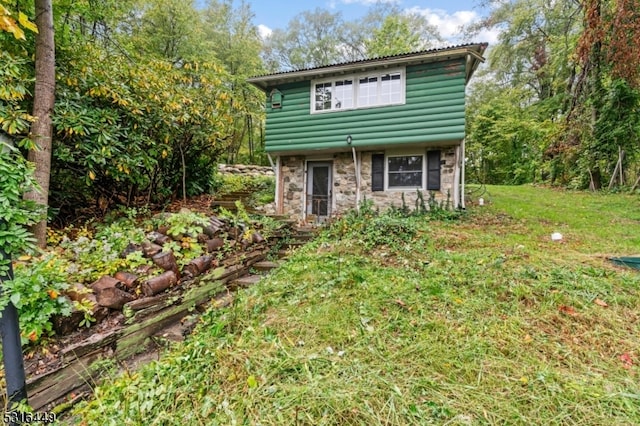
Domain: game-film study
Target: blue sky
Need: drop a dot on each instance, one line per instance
(447, 15)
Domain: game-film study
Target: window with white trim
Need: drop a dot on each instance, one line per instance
(364, 90)
(405, 171)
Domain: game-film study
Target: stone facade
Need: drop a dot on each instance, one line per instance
(292, 182)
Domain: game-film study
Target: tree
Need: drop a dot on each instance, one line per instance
(312, 39)
(233, 40)
(603, 117)
(393, 37)
(168, 29)
(43, 103)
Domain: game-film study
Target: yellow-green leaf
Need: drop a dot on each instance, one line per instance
(8, 24)
(26, 23)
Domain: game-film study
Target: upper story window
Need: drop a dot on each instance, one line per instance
(358, 91)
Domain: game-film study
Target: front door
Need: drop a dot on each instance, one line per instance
(319, 188)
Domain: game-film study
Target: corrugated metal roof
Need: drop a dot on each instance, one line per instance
(284, 74)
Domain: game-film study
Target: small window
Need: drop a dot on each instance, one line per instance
(390, 89)
(405, 171)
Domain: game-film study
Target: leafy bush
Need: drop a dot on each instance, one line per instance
(100, 255)
(36, 291)
(371, 228)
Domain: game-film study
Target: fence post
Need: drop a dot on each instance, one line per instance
(12, 346)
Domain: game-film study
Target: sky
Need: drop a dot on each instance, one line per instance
(447, 15)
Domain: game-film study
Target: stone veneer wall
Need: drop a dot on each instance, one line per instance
(344, 183)
(385, 199)
(292, 180)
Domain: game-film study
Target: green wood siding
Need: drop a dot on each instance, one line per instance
(434, 112)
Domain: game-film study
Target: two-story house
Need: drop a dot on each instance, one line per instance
(373, 128)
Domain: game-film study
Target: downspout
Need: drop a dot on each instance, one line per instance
(456, 177)
(462, 160)
(356, 167)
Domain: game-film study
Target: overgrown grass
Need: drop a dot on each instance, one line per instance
(481, 321)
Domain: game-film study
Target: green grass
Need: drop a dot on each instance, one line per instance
(480, 321)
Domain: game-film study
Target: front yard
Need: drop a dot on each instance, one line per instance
(483, 320)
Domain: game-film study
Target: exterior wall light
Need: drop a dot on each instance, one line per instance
(349, 139)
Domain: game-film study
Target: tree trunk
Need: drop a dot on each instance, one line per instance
(43, 102)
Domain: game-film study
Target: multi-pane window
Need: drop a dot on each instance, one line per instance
(390, 88)
(344, 94)
(323, 96)
(367, 91)
(359, 91)
(405, 171)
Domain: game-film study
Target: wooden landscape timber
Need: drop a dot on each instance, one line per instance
(149, 305)
(81, 368)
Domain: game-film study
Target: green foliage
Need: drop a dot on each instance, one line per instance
(395, 36)
(507, 138)
(16, 174)
(184, 223)
(101, 253)
(261, 188)
(371, 229)
(36, 291)
(127, 129)
(16, 214)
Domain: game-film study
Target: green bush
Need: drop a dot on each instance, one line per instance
(372, 228)
(36, 291)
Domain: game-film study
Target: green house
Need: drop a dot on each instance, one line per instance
(378, 129)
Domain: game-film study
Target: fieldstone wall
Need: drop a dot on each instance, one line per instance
(245, 169)
(344, 184)
(292, 169)
(386, 199)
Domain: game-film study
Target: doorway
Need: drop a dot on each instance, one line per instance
(319, 182)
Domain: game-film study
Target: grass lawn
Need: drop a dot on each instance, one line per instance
(485, 320)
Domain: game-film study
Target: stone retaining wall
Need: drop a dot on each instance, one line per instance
(245, 169)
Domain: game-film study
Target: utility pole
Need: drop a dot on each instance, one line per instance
(12, 347)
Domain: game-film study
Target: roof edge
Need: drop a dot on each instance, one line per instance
(473, 50)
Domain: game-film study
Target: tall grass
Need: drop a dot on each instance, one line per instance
(480, 321)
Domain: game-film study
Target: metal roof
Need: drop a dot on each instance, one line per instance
(474, 52)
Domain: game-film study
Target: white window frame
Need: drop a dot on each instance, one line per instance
(355, 78)
(423, 183)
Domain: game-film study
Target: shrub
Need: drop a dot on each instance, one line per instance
(36, 291)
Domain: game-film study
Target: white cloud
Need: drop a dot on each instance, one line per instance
(450, 25)
(264, 31)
